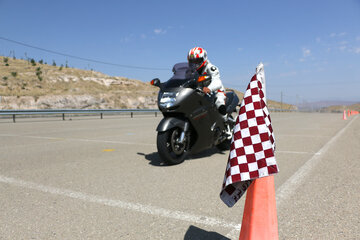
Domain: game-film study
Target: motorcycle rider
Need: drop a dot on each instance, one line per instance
(198, 60)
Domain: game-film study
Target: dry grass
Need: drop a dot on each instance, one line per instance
(24, 78)
(54, 80)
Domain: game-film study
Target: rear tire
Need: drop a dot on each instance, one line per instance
(169, 149)
(224, 145)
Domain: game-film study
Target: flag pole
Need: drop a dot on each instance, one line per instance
(260, 74)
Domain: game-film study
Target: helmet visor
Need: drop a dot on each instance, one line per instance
(196, 60)
(195, 63)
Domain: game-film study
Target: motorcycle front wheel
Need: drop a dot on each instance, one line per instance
(170, 149)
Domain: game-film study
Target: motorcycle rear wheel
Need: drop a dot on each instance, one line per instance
(169, 148)
(226, 144)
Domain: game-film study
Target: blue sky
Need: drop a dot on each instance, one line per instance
(311, 49)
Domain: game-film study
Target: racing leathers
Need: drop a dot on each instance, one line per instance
(216, 86)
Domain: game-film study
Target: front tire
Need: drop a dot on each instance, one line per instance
(169, 148)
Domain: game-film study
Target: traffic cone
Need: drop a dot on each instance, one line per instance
(344, 115)
(348, 113)
(260, 218)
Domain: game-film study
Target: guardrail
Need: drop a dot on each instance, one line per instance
(62, 112)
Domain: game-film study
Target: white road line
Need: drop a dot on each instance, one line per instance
(79, 139)
(298, 135)
(152, 210)
(293, 183)
(294, 152)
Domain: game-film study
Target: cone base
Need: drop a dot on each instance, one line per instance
(260, 218)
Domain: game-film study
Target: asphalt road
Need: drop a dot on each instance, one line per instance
(103, 179)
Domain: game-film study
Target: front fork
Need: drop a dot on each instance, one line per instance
(183, 133)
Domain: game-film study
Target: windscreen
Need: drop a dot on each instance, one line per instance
(181, 75)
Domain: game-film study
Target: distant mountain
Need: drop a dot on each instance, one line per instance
(341, 108)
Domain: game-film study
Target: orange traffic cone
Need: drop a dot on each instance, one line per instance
(348, 113)
(260, 218)
(344, 115)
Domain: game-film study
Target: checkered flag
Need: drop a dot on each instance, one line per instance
(252, 146)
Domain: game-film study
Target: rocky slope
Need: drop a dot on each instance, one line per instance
(32, 85)
(27, 84)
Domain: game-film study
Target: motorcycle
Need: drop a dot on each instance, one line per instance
(191, 122)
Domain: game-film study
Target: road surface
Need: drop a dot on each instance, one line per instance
(88, 178)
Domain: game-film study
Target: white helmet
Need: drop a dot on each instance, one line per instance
(197, 58)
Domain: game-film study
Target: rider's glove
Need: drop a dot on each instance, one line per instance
(206, 90)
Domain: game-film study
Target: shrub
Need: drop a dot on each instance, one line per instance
(38, 73)
(6, 61)
(54, 63)
(5, 78)
(14, 74)
(33, 63)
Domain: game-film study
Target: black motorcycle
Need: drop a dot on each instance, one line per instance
(191, 120)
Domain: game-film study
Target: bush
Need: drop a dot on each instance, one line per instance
(33, 63)
(24, 84)
(38, 73)
(14, 74)
(6, 61)
(5, 78)
(54, 63)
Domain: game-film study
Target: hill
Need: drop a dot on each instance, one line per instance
(33, 85)
(27, 84)
(341, 108)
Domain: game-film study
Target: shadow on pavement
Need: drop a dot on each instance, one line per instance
(207, 153)
(156, 160)
(195, 233)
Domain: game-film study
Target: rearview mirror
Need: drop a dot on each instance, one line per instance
(155, 82)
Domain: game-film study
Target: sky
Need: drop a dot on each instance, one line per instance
(310, 49)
